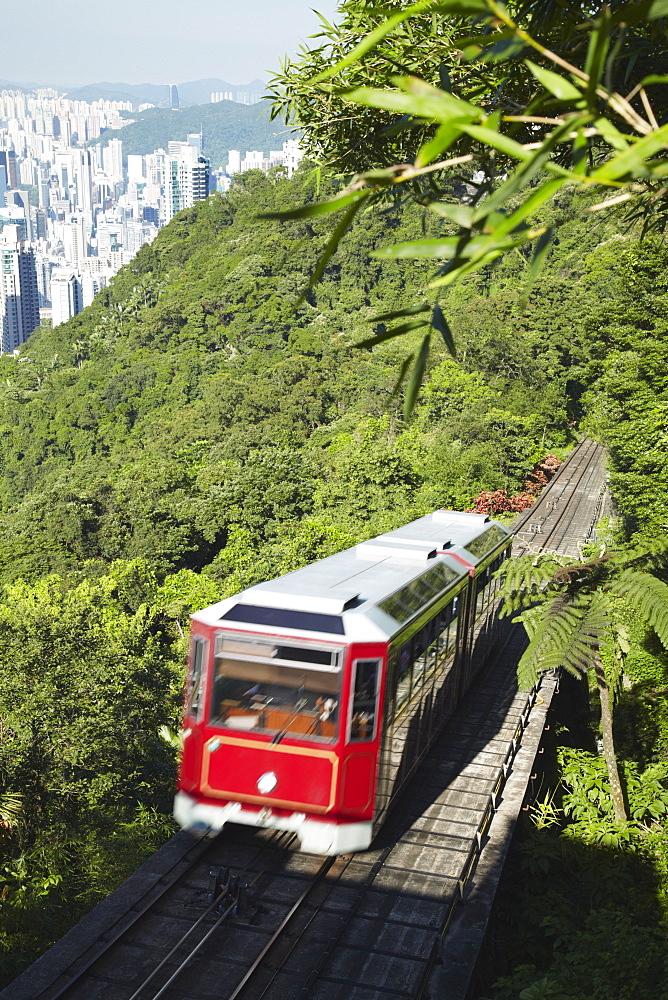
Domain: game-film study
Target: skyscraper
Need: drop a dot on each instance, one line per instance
(172, 96)
(112, 158)
(9, 161)
(83, 177)
(66, 295)
(186, 179)
(19, 301)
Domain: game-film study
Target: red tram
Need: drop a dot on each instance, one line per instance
(311, 699)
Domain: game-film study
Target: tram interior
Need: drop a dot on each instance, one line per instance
(275, 698)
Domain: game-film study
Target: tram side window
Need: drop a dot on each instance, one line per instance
(195, 681)
(364, 706)
(431, 648)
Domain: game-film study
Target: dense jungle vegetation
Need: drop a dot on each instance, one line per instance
(190, 433)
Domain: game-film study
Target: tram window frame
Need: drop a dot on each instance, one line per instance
(252, 675)
(410, 681)
(488, 586)
(195, 693)
(376, 664)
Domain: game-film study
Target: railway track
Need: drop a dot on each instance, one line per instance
(566, 512)
(247, 916)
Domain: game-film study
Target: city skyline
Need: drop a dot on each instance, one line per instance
(84, 46)
(71, 214)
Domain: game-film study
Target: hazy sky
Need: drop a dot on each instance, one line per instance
(152, 41)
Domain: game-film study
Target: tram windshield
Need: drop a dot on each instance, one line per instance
(281, 688)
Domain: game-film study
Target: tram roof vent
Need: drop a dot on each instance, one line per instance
(327, 602)
(391, 550)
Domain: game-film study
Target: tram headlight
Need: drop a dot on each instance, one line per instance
(266, 782)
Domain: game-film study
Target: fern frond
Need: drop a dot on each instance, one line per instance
(648, 595)
(566, 633)
(652, 554)
(525, 580)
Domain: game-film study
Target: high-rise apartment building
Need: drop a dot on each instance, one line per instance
(186, 179)
(233, 161)
(83, 179)
(75, 234)
(112, 157)
(9, 161)
(66, 295)
(136, 169)
(19, 301)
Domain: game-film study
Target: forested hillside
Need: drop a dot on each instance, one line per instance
(225, 126)
(193, 432)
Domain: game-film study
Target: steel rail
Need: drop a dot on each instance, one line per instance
(280, 930)
(315, 973)
(273, 842)
(201, 850)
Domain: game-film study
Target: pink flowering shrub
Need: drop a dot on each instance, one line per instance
(498, 501)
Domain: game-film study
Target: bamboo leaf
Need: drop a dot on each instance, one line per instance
(462, 8)
(461, 270)
(416, 98)
(332, 244)
(538, 197)
(611, 134)
(461, 215)
(557, 85)
(503, 49)
(597, 51)
(402, 373)
(416, 377)
(396, 313)
(654, 78)
(539, 160)
(442, 140)
(632, 158)
(396, 331)
(440, 323)
(447, 248)
(497, 140)
(317, 208)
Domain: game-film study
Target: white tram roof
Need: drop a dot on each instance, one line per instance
(368, 592)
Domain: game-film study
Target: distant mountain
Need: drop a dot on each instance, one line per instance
(145, 93)
(25, 87)
(190, 93)
(225, 126)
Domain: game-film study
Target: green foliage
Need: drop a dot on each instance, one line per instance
(567, 633)
(527, 127)
(93, 670)
(581, 920)
(588, 801)
(194, 432)
(571, 606)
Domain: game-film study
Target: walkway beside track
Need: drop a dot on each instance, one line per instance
(384, 924)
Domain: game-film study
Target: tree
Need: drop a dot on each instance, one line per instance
(521, 131)
(571, 622)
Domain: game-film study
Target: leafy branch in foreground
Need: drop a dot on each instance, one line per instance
(570, 614)
(563, 123)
